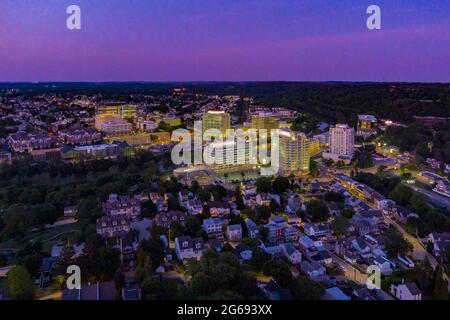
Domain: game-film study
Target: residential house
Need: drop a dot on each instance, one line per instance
(263, 199)
(244, 252)
(234, 232)
(213, 227)
(308, 246)
(386, 266)
(188, 248)
(44, 274)
(325, 257)
(165, 219)
(440, 241)
(291, 254)
(294, 204)
(118, 205)
(321, 231)
(278, 220)
(218, 208)
(294, 219)
(194, 206)
(70, 212)
(291, 234)
(406, 291)
(184, 196)
(271, 248)
(360, 245)
(252, 228)
(313, 269)
(113, 226)
(362, 227)
(275, 232)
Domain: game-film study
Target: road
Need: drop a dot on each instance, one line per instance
(419, 251)
(350, 271)
(435, 198)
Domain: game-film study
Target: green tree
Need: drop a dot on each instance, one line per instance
(313, 168)
(15, 222)
(395, 243)
(263, 185)
(176, 230)
(332, 196)
(340, 225)
(439, 285)
(303, 288)
(262, 214)
(317, 210)
(280, 184)
(280, 271)
(259, 258)
(3, 260)
(19, 283)
(193, 226)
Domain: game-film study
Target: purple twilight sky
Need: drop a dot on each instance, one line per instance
(178, 40)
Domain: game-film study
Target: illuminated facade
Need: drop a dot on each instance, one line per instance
(314, 147)
(342, 141)
(132, 139)
(116, 126)
(229, 160)
(265, 120)
(124, 111)
(216, 120)
(294, 152)
(367, 125)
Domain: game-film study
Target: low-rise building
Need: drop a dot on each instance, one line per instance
(406, 291)
(118, 205)
(113, 226)
(234, 232)
(188, 248)
(79, 136)
(313, 269)
(164, 219)
(253, 230)
(218, 208)
(213, 227)
(291, 254)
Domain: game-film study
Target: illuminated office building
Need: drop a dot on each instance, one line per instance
(216, 120)
(265, 120)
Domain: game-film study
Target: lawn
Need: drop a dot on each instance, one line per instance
(48, 237)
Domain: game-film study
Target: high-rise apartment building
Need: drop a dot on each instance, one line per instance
(341, 143)
(231, 161)
(294, 152)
